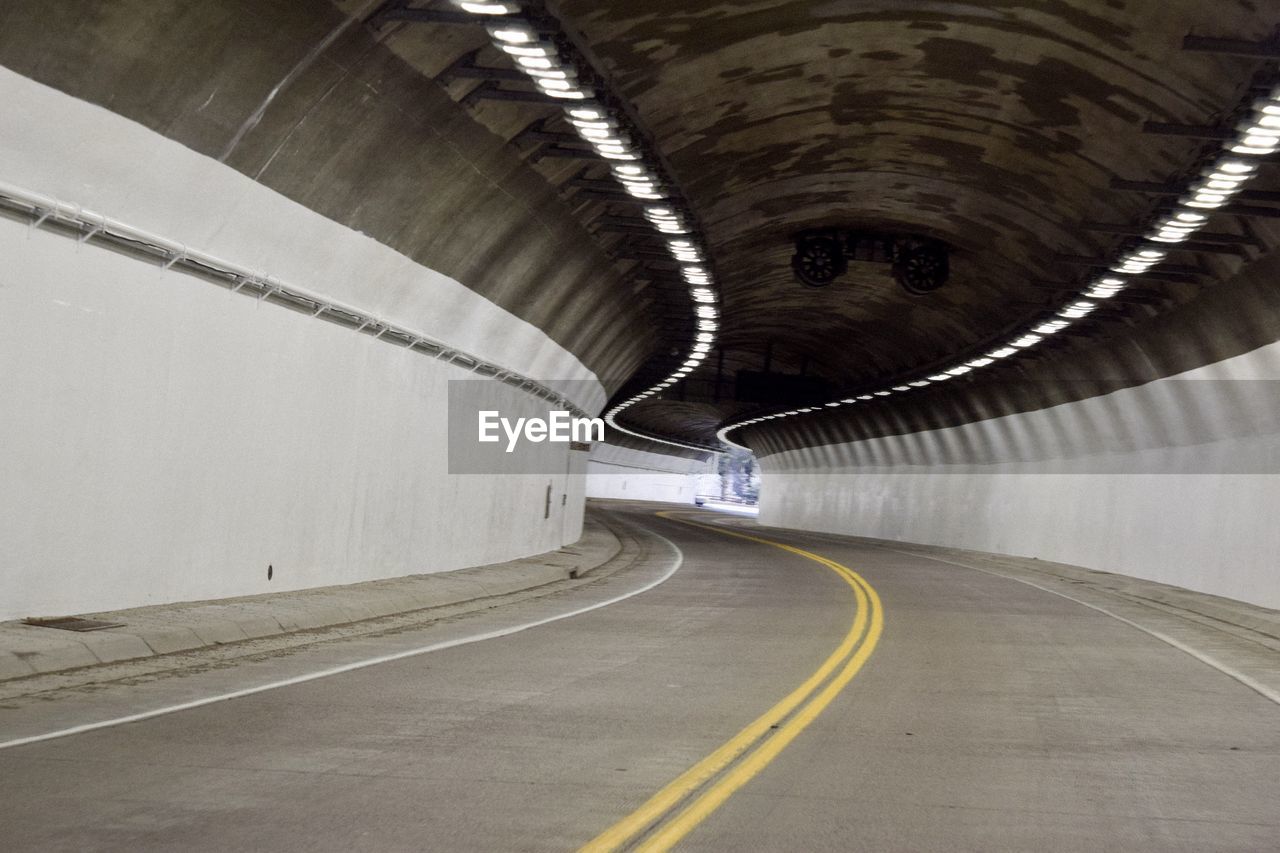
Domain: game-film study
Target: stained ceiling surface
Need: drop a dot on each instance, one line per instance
(995, 127)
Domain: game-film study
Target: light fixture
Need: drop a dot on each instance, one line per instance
(648, 194)
(1076, 310)
(593, 124)
(512, 33)
(640, 179)
(1050, 327)
(1202, 204)
(613, 139)
(551, 73)
(1236, 167)
(554, 85)
(536, 61)
(533, 50)
(1255, 146)
(487, 8)
(587, 113)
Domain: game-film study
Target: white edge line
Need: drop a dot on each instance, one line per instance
(1251, 683)
(349, 667)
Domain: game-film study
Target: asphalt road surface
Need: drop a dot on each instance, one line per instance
(829, 696)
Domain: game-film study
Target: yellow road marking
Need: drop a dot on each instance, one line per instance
(868, 610)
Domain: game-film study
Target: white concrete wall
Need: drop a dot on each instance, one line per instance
(628, 474)
(165, 440)
(1176, 481)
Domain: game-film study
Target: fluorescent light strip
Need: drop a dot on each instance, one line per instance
(604, 129)
(1235, 166)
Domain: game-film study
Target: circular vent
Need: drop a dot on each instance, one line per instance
(921, 267)
(818, 261)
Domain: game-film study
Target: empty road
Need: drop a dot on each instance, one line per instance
(829, 695)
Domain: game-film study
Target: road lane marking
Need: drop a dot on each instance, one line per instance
(350, 667)
(853, 651)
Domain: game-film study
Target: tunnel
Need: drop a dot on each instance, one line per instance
(767, 425)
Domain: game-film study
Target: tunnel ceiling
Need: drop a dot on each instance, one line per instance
(995, 127)
(998, 128)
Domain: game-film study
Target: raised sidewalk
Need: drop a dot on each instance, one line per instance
(27, 650)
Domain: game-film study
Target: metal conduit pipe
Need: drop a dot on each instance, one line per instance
(92, 225)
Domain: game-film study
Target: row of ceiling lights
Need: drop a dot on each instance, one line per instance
(1256, 137)
(605, 130)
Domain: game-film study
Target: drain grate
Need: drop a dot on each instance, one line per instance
(71, 623)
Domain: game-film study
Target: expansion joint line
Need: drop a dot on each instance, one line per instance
(676, 810)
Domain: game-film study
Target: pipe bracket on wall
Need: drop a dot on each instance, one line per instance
(174, 258)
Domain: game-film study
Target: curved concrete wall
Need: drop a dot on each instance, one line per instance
(167, 440)
(628, 474)
(300, 98)
(1176, 480)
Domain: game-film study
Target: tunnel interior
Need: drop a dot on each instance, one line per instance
(639, 425)
(811, 231)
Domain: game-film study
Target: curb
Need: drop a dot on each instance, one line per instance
(27, 650)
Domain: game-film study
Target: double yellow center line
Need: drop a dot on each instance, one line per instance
(690, 798)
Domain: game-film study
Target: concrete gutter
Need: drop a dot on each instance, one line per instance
(1259, 624)
(27, 650)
